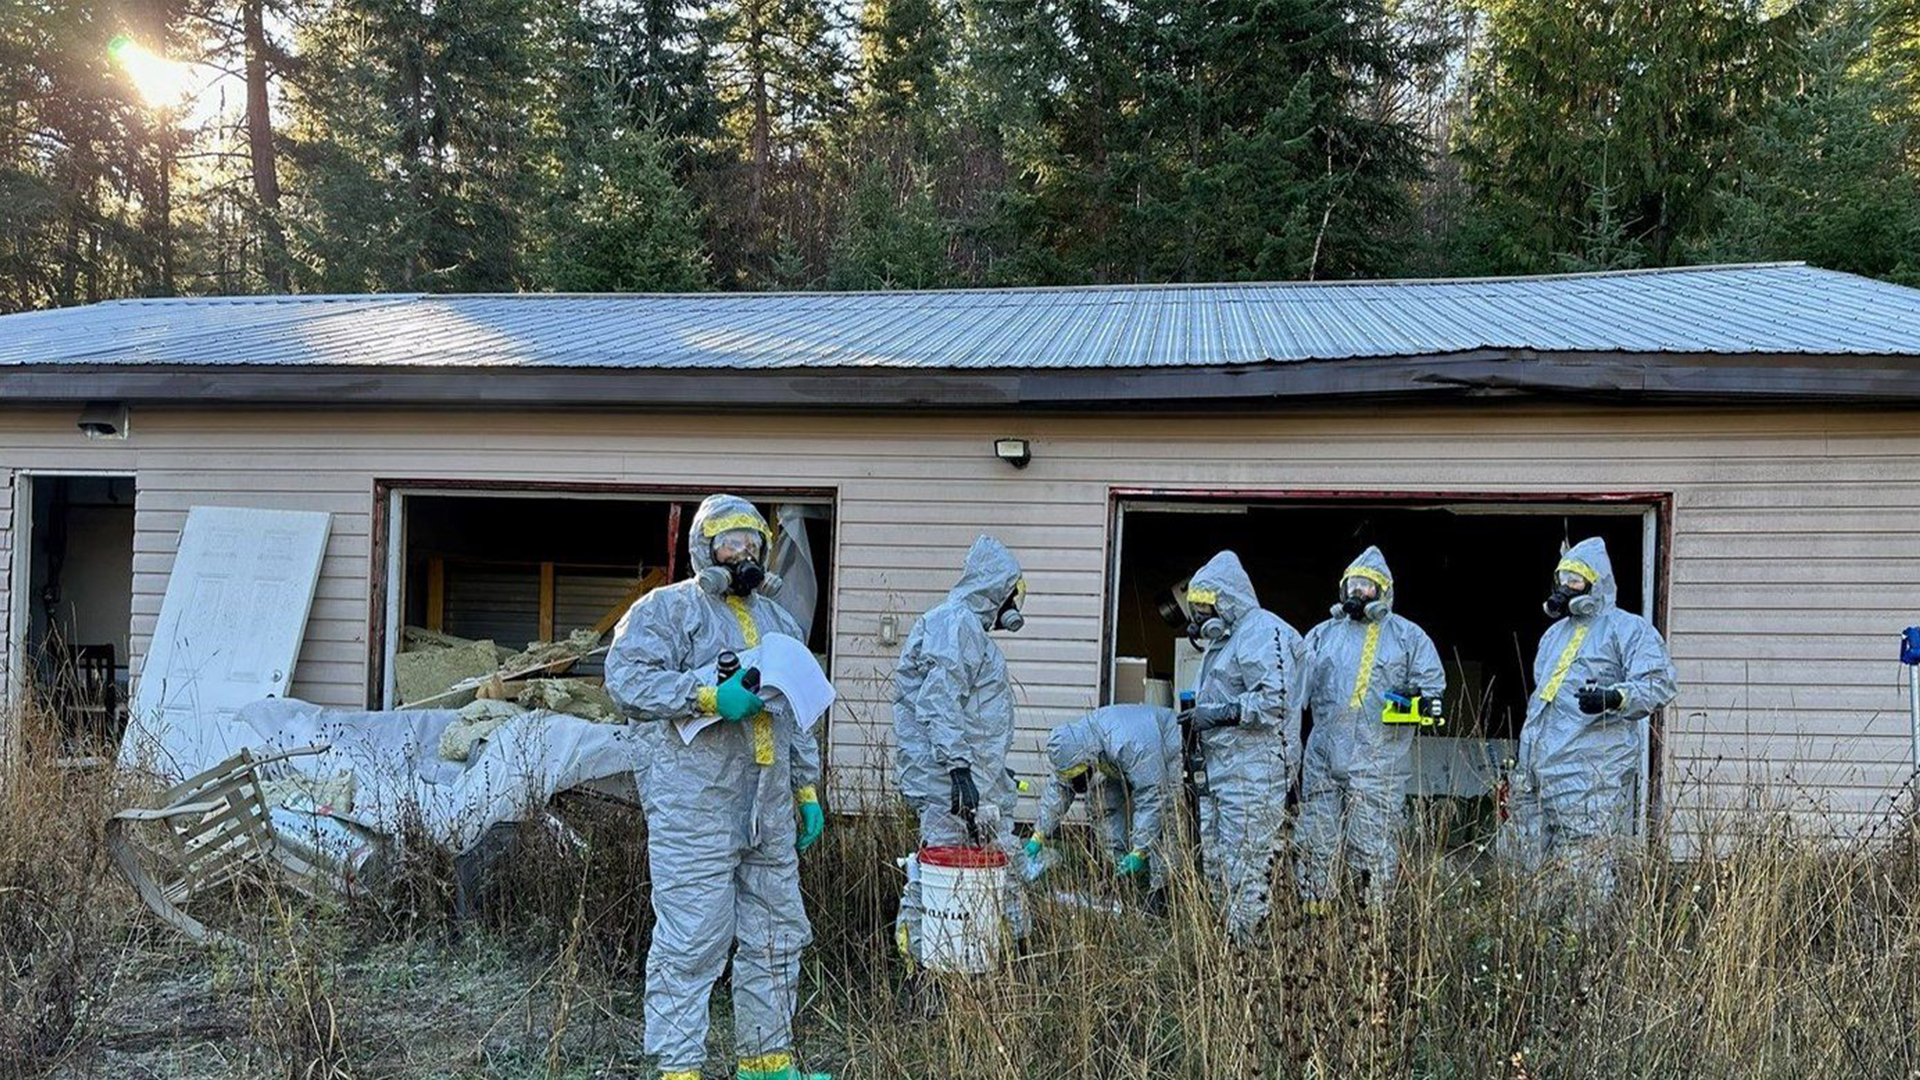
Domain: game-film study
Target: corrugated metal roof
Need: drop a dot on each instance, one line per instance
(1760, 309)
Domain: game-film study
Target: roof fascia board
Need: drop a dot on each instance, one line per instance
(1475, 374)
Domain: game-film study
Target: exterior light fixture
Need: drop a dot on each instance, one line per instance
(1014, 452)
(104, 420)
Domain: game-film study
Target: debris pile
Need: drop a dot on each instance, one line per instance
(490, 684)
(585, 698)
(478, 719)
(554, 654)
(425, 672)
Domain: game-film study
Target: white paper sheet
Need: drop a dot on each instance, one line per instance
(787, 668)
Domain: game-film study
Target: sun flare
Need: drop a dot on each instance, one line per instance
(160, 82)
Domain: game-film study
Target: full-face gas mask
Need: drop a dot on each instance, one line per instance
(1204, 625)
(1009, 617)
(1572, 595)
(738, 568)
(1361, 599)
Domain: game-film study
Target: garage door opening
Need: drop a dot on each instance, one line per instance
(74, 609)
(1472, 572)
(518, 566)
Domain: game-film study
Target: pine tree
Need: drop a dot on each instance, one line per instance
(891, 231)
(87, 166)
(1199, 139)
(414, 125)
(1827, 177)
(778, 67)
(889, 239)
(904, 47)
(1653, 101)
(658, 64)
(629, 227)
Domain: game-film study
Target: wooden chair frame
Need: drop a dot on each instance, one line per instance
(217, 825)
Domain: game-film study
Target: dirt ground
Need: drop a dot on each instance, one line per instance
(427, 1010)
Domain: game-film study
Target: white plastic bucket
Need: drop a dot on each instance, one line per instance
(962, 921)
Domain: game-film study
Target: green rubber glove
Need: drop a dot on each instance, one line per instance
(1033, 847)
(1134, 863)
(813, 822)
(734, 701)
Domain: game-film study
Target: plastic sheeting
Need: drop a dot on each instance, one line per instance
(793, 561)
(400, 779)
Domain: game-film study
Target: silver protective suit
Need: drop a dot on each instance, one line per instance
(1131, 754)
(953, 706)
(1261, 667)
(1353, 787)
(1574, 792)
(720, 812)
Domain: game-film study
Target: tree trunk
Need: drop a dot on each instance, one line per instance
(760, 140)
(67, 291)
(266, 179)
(416, 145)
(168, 146)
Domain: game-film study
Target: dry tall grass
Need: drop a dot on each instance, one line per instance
(60, 904)
(1783, 954)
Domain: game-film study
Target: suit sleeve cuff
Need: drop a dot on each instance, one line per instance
(707, 700)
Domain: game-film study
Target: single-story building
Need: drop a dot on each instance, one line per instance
(1744, 437)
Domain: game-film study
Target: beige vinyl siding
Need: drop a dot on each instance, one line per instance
(6, 578)
(1790, 559)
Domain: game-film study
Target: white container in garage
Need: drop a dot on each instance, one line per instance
(1129, 680)
(1160, 692)
(1186, 665)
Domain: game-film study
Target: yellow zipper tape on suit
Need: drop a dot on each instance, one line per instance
(762, 724)
(1562, 665)
(1364, 677)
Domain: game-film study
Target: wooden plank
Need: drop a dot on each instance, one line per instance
(546, 601)
(436, 593)
(215, 873)
(648, 582)
(214, 829)
(216, 849)
(218, 865)
(241, 839)
(216, 778)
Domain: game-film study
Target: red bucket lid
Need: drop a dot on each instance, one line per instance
(963, 858)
